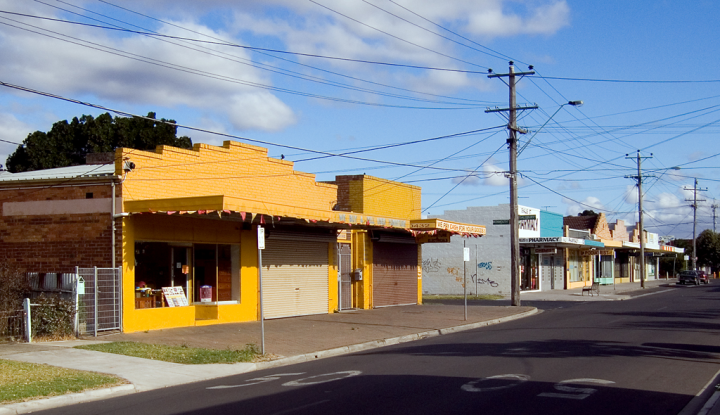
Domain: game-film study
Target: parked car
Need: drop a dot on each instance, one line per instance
(693, 277)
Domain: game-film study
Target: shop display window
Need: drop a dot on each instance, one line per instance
(217, 273)
(575, 265)
(203, 273)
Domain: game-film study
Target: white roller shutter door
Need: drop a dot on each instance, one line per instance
(295, 278)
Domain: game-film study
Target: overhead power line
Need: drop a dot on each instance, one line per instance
(251, 140)
(397, 37)
(635, 81)
(230, 44)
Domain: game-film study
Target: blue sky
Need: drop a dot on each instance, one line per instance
(576, 162)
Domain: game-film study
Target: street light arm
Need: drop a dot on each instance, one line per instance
(573, 103)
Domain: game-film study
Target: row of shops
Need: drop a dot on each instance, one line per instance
(194, 232)
(556, 253)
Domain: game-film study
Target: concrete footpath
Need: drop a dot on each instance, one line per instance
(288, 341)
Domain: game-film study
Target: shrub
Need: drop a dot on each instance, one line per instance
(13, 288)
(53, 317)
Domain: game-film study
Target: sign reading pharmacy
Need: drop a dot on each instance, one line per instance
(552, 240)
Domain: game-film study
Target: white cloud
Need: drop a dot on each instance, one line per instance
(495, 176)
(631, 195)
(470, 180)
(151, 73)
(13, 130)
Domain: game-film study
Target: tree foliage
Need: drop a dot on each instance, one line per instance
(67, 143)
(708, 249)
(587, 212)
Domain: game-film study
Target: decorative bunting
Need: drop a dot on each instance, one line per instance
(227, 211)
(242, 215)
(171, 212)
(201, 212)
(262, 219)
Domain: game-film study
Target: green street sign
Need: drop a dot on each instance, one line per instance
(501, 221)
(526, 217)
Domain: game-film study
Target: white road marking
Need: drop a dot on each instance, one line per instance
(304, 382)
(259, 380)
(519, 379)
(574, 392)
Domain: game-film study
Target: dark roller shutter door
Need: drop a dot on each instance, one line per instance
(395, 274)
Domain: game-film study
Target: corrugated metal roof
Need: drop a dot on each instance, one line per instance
(86, 170)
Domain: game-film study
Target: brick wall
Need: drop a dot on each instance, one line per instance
(59, 242)
(378, 197)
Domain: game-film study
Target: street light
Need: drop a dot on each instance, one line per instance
(573, 103)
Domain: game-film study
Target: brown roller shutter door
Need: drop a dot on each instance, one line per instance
(395, 274)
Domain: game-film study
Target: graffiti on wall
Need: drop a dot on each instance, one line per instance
(431, 265)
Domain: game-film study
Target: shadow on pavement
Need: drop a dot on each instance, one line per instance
(560, 348)
(397, 394)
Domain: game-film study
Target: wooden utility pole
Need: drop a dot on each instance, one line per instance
(512, 175)
(694, 205)
(640, 226)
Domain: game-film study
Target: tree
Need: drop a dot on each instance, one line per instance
(67, 143)
(708, 249)
(587, 213)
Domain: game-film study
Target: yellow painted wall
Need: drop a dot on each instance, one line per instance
(183, 229)
(362, 259)
(259, 183)
(333, 300)
(373, 196)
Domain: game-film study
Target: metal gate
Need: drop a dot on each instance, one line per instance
(99, 307)
(345, 255)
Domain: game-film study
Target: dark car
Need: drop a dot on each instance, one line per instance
(693, 277)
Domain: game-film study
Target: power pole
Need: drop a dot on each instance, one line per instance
(512, 174)
(641, 228)
(694, 205)
(714, 207)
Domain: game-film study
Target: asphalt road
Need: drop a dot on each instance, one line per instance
(650, 355)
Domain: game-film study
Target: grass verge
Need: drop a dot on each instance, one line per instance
(176, 354)
(20, 381)
(460, 297)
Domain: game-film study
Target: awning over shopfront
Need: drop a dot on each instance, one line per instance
(228, 207)
(434, 226)
(440, 230)
(558, 241)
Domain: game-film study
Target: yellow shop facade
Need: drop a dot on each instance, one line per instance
(189, 245)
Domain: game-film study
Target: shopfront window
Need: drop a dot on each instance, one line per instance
(160, 265)
(217, 273)
(529, 272)
(574, 265)
(202, 273)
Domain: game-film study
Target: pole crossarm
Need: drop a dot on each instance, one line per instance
(517, 108)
